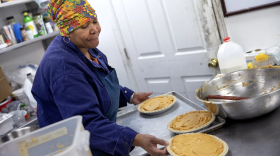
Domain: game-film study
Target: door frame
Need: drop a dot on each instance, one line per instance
(220, 19)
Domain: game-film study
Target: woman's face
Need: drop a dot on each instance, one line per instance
(87, 36)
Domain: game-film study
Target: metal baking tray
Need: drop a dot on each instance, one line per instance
(157, 124)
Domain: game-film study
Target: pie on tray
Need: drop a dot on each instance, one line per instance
(157, 103)
(191, 121)
(197, 144)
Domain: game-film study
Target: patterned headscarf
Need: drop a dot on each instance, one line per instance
(70, 14)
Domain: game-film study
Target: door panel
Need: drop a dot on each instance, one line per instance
(159, 85)
(192, 83)
(140, 27)
(168, 42)
(185, 32)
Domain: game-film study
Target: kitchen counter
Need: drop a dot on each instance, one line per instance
(254, 137)
(32, 120)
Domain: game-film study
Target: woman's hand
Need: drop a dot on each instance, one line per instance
(149, 144)
(140, 97)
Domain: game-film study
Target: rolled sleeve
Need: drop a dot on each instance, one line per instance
(125, 95)
(74, 96)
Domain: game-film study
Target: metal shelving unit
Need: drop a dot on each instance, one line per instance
(33, 7)
(16, 2)
(40, 38)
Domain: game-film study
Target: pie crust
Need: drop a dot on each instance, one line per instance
(211, 107)
(225, 146)
(193, 129)
(140, 109)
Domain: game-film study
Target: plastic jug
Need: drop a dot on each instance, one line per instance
(231, 57)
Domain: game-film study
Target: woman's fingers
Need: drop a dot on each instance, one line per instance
(149, 143)
(160, 142)
(149, 93)
(159, 152)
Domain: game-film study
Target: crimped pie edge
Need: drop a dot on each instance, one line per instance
(193, 129)
(147, 112)
(225, 146)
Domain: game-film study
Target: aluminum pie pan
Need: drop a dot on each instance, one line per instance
(225, 145)
(156, 112)
(4, 117)
(194, 130)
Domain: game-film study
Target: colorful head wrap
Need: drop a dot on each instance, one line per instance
(70, 14)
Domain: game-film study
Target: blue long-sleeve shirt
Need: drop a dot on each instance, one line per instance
(65, 86)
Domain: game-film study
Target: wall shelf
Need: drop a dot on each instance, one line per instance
(40, 38)
(16, 2)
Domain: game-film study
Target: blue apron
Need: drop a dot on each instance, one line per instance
(111, 82)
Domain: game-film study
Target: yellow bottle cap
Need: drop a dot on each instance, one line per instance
(25, 13)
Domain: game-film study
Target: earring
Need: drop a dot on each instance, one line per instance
(64, 39)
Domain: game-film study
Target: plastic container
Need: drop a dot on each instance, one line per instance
(1, 39)
(49, 27)
(40, 24)
(6, 38)
(250, 57)
(262, 60)
(7, 32)
(29, 34)
(30, 25)
(27, 108)
(64, 138)
(5, 103)
(11, 107)
(14, 40)
(6, 123)
(43, 3)
(231, 57)
(11, 20)
(17, 28)
(3, 45)
(20, 95)
(18, 117)
(4, 1)
(23, 34)
(28, 13)
(274, 52)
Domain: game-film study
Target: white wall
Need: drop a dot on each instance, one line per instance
(255, 29)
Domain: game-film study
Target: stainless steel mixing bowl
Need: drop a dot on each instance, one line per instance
(261, 86)
(18, 133)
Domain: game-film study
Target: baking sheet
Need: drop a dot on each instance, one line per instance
(157, 125)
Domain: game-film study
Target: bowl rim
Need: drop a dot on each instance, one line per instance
(227, 102)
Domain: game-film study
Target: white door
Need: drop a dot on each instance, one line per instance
(168, 43)
(108, 43)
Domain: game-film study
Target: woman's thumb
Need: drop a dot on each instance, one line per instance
(149, 93)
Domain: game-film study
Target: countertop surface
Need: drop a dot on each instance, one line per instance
(253, 137)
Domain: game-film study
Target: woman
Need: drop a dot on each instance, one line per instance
(74, 78)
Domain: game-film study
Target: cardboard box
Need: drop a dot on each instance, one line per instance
(5, 88)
